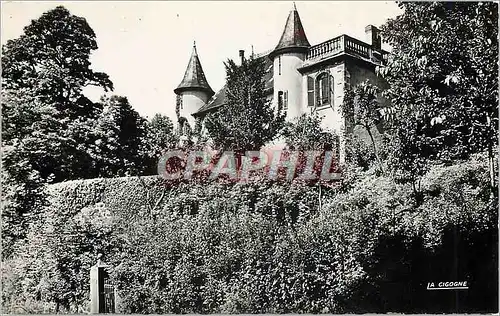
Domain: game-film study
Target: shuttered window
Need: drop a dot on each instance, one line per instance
(280, 100)
(324, 89)
(279, 65)
(310, 91)
(285, 100)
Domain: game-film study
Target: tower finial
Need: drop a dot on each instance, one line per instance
(294, 7)
(194, 49)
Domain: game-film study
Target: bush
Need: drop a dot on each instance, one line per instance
(264, 247)
(451, 236)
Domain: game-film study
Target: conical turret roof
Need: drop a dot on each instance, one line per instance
(194, 77)
(293, 37)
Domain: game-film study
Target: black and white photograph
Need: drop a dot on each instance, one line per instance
(249, 157)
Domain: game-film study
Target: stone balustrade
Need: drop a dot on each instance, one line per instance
(340, 44)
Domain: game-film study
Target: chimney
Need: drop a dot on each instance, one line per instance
(242, 56)
(373, 36)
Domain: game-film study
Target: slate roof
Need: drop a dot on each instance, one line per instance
(293, 37)
(194, 77)
(219, 99)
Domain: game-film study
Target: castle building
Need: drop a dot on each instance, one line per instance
(303, 78)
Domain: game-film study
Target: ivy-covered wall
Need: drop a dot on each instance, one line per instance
(129, 197)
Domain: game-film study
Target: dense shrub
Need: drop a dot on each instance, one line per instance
(451, 236)
(265, 247)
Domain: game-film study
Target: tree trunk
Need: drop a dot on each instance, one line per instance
(368, 129)
(416, 192)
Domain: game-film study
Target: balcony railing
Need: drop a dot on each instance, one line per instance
(340, 44)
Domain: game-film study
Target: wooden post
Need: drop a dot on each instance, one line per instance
(118, 302)
(96, 290)
(97, 272)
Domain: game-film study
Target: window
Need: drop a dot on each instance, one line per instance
(319, 90)
(279, 65)
(283, 100)
(179, 102)
(323, 89)
(182, 123)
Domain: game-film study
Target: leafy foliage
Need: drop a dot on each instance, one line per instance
(247, 121)
(123, 133)
(51, 131)
(52, 58)
(160, 137)
(46, 119)
(306, 133)
(362, 108)
(443, 78)
(55, 261)
(307, 138)
(256, 247)
(261, 247)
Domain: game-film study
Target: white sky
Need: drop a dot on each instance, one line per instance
(145, 46)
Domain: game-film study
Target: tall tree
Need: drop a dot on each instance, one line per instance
(443, 74)
(363, 108)
(43, 74)
(306, 133)
(122, 134)
(47, 123)
(161, 136)
(304, 136)
(247, 121)
(52, 57)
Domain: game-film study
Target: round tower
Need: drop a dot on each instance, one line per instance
(287, 57)
(194, 91)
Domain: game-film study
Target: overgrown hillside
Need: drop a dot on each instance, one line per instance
(264, 247)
